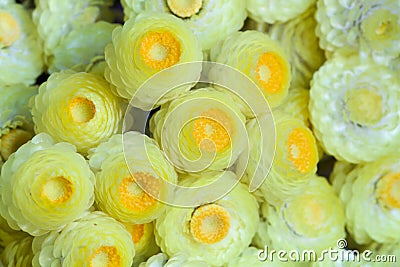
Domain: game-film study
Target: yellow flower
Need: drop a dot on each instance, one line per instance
(313, 220)
(298, 40)
(210, 21)
(78, 108)
(92, 241)
(203, 129)
(131, 175)
(294, 163)
(18, 252)
(354, 109)
(272, 11)
(144, 46)
(212, 232)
(260, 58)
(21, 59)
(370, 194)
(44, 186)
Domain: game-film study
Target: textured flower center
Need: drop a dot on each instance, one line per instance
(82, 109)
(383, 28)
(210, 224)
(302, 150)
(364, 106)
(270, 73)
(10, 30)
(185, 8)
(57, 189)
(11, 141)
(105, 256)
(137, 232)
(160, 50)
(306, 214)
(211, 131)
(133, 197)
(388, 190)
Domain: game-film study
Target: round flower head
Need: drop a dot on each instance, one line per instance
(294, 163)
(211, 20)
(177, 260)
(144, 46)
(272, 11)
(44, 186)
(355, 109)
(213, 232)
(260, 58)
(371, 27)
(371, 198)
(78, 108)
(18, 252)
(143, 241)
(20, 51)
(203, 129)
(131, 172)
(94, 240)
(16, 126)
(81, 45)
(300, 43)
(56, 19)
(313, 220)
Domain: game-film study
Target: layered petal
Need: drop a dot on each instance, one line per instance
(77, 107)
(371, 199)
(354, 109)
(203, 129)
(272, 11)
(94, 240)
(260, 58)
(146, 45)
(132, 174)
(44, 186)
(210, 21)
(212, 232)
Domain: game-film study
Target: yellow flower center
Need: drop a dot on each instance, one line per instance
(160, 50)
(10, 30)
(137, 232)
(133, 197)
(185, 8)
(383, 27)
(105, 256)
(82, 109)
(210, 224)
(388, 190)
(270, 73)
(302, 150)
(57, 190)
(11, 141)
(211, 131)
(363, 106)
(306, 214)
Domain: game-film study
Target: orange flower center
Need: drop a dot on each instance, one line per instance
(105, 256)
(270, 72)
